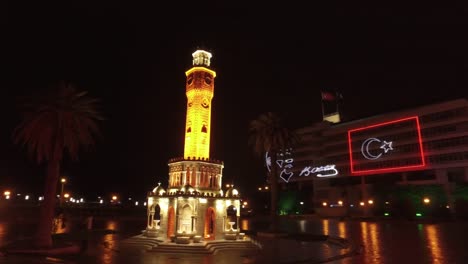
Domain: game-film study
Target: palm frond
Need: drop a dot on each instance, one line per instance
(65, 120)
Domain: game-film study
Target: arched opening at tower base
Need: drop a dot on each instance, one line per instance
(185, 220)
(170, 222)
(231, 213)
(210, 221)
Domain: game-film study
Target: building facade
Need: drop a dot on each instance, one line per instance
(355, 165)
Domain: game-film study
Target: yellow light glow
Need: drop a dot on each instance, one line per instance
(7, 193)
(213, 73)
(63, 180)
(362, 203)
(324, 204)
(427, 200)
(198, 119)
(370, 201)
(67, 195)
(219, 205)
(340, 202)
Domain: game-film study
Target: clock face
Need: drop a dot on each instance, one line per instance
(208, 79)
(190, 79)
(205, 103)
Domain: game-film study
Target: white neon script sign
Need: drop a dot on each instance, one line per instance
(331, 169)
(287, 164)
(385, 145)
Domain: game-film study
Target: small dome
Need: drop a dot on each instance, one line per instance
(231, 192)
(187, 189)
(159, 190)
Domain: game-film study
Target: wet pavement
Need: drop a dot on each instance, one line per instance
(383, 241)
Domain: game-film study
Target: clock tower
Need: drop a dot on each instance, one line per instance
(199, 92)
(194, 204)
(196, 168)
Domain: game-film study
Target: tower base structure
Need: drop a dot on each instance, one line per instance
(194, 207)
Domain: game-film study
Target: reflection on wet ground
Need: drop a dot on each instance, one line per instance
(382, 242)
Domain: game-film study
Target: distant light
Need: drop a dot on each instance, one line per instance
(266, 187)
(259, 188)
(386, 202)
(448, 206)
(7, 193)
(129, 198)
(81, 200)
(386, 214)
(26, 197)
(418, 214)
(245, 202)
(301, 203)
(340, 202)
(136, 203)
(324, 204)
(19, 194)
(101, 201)
(426, 200)
(144, 204)
(370, 201)
(361, 203)
(40, 198)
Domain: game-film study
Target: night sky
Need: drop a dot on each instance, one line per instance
(133, 57)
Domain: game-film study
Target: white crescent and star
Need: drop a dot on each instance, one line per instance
(386, 146)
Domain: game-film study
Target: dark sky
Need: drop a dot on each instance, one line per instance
(275, 57)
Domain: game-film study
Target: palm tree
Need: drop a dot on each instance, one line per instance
(268, 134)
(59, 123)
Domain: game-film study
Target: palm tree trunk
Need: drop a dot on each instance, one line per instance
(274, 227)
(43, 238)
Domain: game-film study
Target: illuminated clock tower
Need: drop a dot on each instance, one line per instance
(199, 91)
(196, 169)
(194, 202)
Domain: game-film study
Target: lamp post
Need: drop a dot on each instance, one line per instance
(63, 181)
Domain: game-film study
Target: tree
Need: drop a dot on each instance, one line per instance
(61, 122)
(269, 134)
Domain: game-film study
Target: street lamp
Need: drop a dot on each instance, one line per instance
(63, 181)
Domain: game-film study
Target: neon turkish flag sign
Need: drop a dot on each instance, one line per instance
(386, 147)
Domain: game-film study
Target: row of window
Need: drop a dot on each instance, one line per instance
(449, 114)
